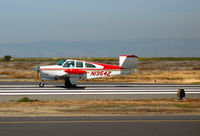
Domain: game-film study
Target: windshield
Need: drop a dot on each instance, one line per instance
(69, 64)
(60, 62)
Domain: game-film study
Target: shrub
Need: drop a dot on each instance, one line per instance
(7, 58)
(26, 99)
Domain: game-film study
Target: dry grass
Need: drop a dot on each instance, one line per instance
(98, 107)
(184, 72)
(173, 77)
(172, 72)
(19, 70)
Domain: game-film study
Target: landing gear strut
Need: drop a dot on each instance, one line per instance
(68, 84)
(41, 84)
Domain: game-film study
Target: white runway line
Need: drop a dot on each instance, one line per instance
(12, 86)
(85, 89)
(26, 91)
(104, 85)
(116, 93)
(114, 88)
(6, 90)
(32, 88)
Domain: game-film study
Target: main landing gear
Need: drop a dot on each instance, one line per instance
(68, 84)
(41, 84)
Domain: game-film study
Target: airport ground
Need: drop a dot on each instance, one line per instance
(113, 108)
(175, 71)
(113, 117)
(91, 99)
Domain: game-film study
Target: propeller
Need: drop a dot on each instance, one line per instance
(37, 68)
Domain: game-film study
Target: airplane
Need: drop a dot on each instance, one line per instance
(71, 71)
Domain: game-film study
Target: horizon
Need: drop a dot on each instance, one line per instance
(165, 47)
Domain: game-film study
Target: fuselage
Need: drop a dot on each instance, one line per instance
(78, 69)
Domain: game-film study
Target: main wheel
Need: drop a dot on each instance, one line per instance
(41, 84)
(68, 84)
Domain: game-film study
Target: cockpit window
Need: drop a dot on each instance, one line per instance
(60, 62)
(69, 64)
(88, 65)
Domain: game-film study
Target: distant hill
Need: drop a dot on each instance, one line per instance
(166, 47)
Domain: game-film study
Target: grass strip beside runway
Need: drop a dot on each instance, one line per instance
(98, 121)
(100, 108)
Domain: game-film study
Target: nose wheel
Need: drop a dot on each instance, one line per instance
(41, 84)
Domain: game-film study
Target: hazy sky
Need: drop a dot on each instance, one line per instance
(91, 20)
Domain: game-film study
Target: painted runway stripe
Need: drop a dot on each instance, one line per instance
(94, 88)
(85, 90)
(89, 89)
(105, 85)
(97, 121)
(95, 93)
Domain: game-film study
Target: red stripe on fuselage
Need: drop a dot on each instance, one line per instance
(106, 66)
(134, 56)
(75, 71)
(74, 68)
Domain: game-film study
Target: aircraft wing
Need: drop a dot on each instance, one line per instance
(75, 75)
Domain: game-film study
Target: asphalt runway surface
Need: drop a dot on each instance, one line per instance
(101, 126)
(93, 91)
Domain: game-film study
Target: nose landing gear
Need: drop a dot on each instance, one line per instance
(41, 84)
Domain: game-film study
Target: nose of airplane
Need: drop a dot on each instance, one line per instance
(37, 68)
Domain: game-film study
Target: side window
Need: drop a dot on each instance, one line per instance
(88, 65)
(69, 64)
(79, 64)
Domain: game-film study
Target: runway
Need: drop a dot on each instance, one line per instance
(101, 126)
(93, 91)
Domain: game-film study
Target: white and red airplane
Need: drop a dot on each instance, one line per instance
(74, 70)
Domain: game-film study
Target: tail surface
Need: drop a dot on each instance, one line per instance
(128, 63)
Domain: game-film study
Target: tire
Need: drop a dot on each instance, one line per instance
(68, 84)
(41, 84)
